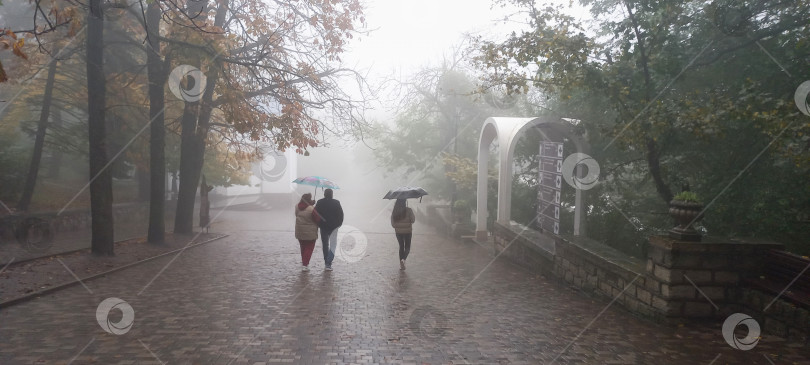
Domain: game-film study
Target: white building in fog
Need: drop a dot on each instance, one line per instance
(273, 175)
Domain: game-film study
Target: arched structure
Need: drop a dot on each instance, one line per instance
(508, 132)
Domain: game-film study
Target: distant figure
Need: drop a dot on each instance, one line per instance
(174, 186)
(402, 219)
(329, 216)
(205, 205)
(306, 230)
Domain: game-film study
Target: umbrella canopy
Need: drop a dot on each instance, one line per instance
(316, 181)
(406, 192)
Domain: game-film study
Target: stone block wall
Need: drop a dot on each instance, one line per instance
(585, 264)
(602, 272)
(781, 318)
(677, 280)
(701, 279)
(522, 246)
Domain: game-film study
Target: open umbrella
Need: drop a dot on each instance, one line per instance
(406, 192)
(317, 182)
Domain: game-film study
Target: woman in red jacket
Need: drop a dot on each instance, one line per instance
(306, 229)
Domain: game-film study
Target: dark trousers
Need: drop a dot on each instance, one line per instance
(329, 243)
(404, 240)
(306, 250)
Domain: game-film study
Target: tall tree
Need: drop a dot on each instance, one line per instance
(266, 81)
(195, 126)
(39, 140)
(156, 71)
(55, 160)
(101, 193)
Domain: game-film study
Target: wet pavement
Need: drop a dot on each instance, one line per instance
(245, 300)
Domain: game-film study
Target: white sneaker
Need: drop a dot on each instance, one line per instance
(305, 268)
(328, 268)
(402, 264)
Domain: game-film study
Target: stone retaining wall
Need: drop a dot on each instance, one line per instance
(701, 279)
(584, 264)
(676, 281)
(76, 220)
(79, 219)
(781, 318)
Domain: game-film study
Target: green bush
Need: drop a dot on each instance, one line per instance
(461, 205)
(687, 196)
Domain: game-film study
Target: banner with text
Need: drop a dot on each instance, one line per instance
(548, 195)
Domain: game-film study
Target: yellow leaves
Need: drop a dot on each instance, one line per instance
(17, 48)
(10, 40)
(463, 171)
(3, 76)
(75, 19)
(14, 42)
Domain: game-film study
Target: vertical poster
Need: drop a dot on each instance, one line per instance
(550, 186)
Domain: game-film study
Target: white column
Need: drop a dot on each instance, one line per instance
(504, 182)
(481, 194)
(578, 208)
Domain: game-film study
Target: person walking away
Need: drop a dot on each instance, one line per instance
(329, 216)
(205, 205)
(402, 219)
(306, 230)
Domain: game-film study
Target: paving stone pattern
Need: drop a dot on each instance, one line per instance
(244, 300)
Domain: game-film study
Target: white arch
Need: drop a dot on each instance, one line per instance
(508, 132)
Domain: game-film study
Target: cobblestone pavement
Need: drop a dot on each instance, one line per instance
(244, 300)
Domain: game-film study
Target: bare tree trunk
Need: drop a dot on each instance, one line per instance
(654, 164)
(39, 140)
(192, 155)
(189, 174)
(653, 153)
(101, 193)
(195, 123)
(55, 161)
(156, 71)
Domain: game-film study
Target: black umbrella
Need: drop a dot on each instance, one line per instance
(406, 192)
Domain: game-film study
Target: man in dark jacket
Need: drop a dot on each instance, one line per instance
(330, 218)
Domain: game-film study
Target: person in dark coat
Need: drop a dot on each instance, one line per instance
(205, 205)
(330, 218)
(402, 219)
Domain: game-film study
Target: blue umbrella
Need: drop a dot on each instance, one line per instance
(317, 182)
